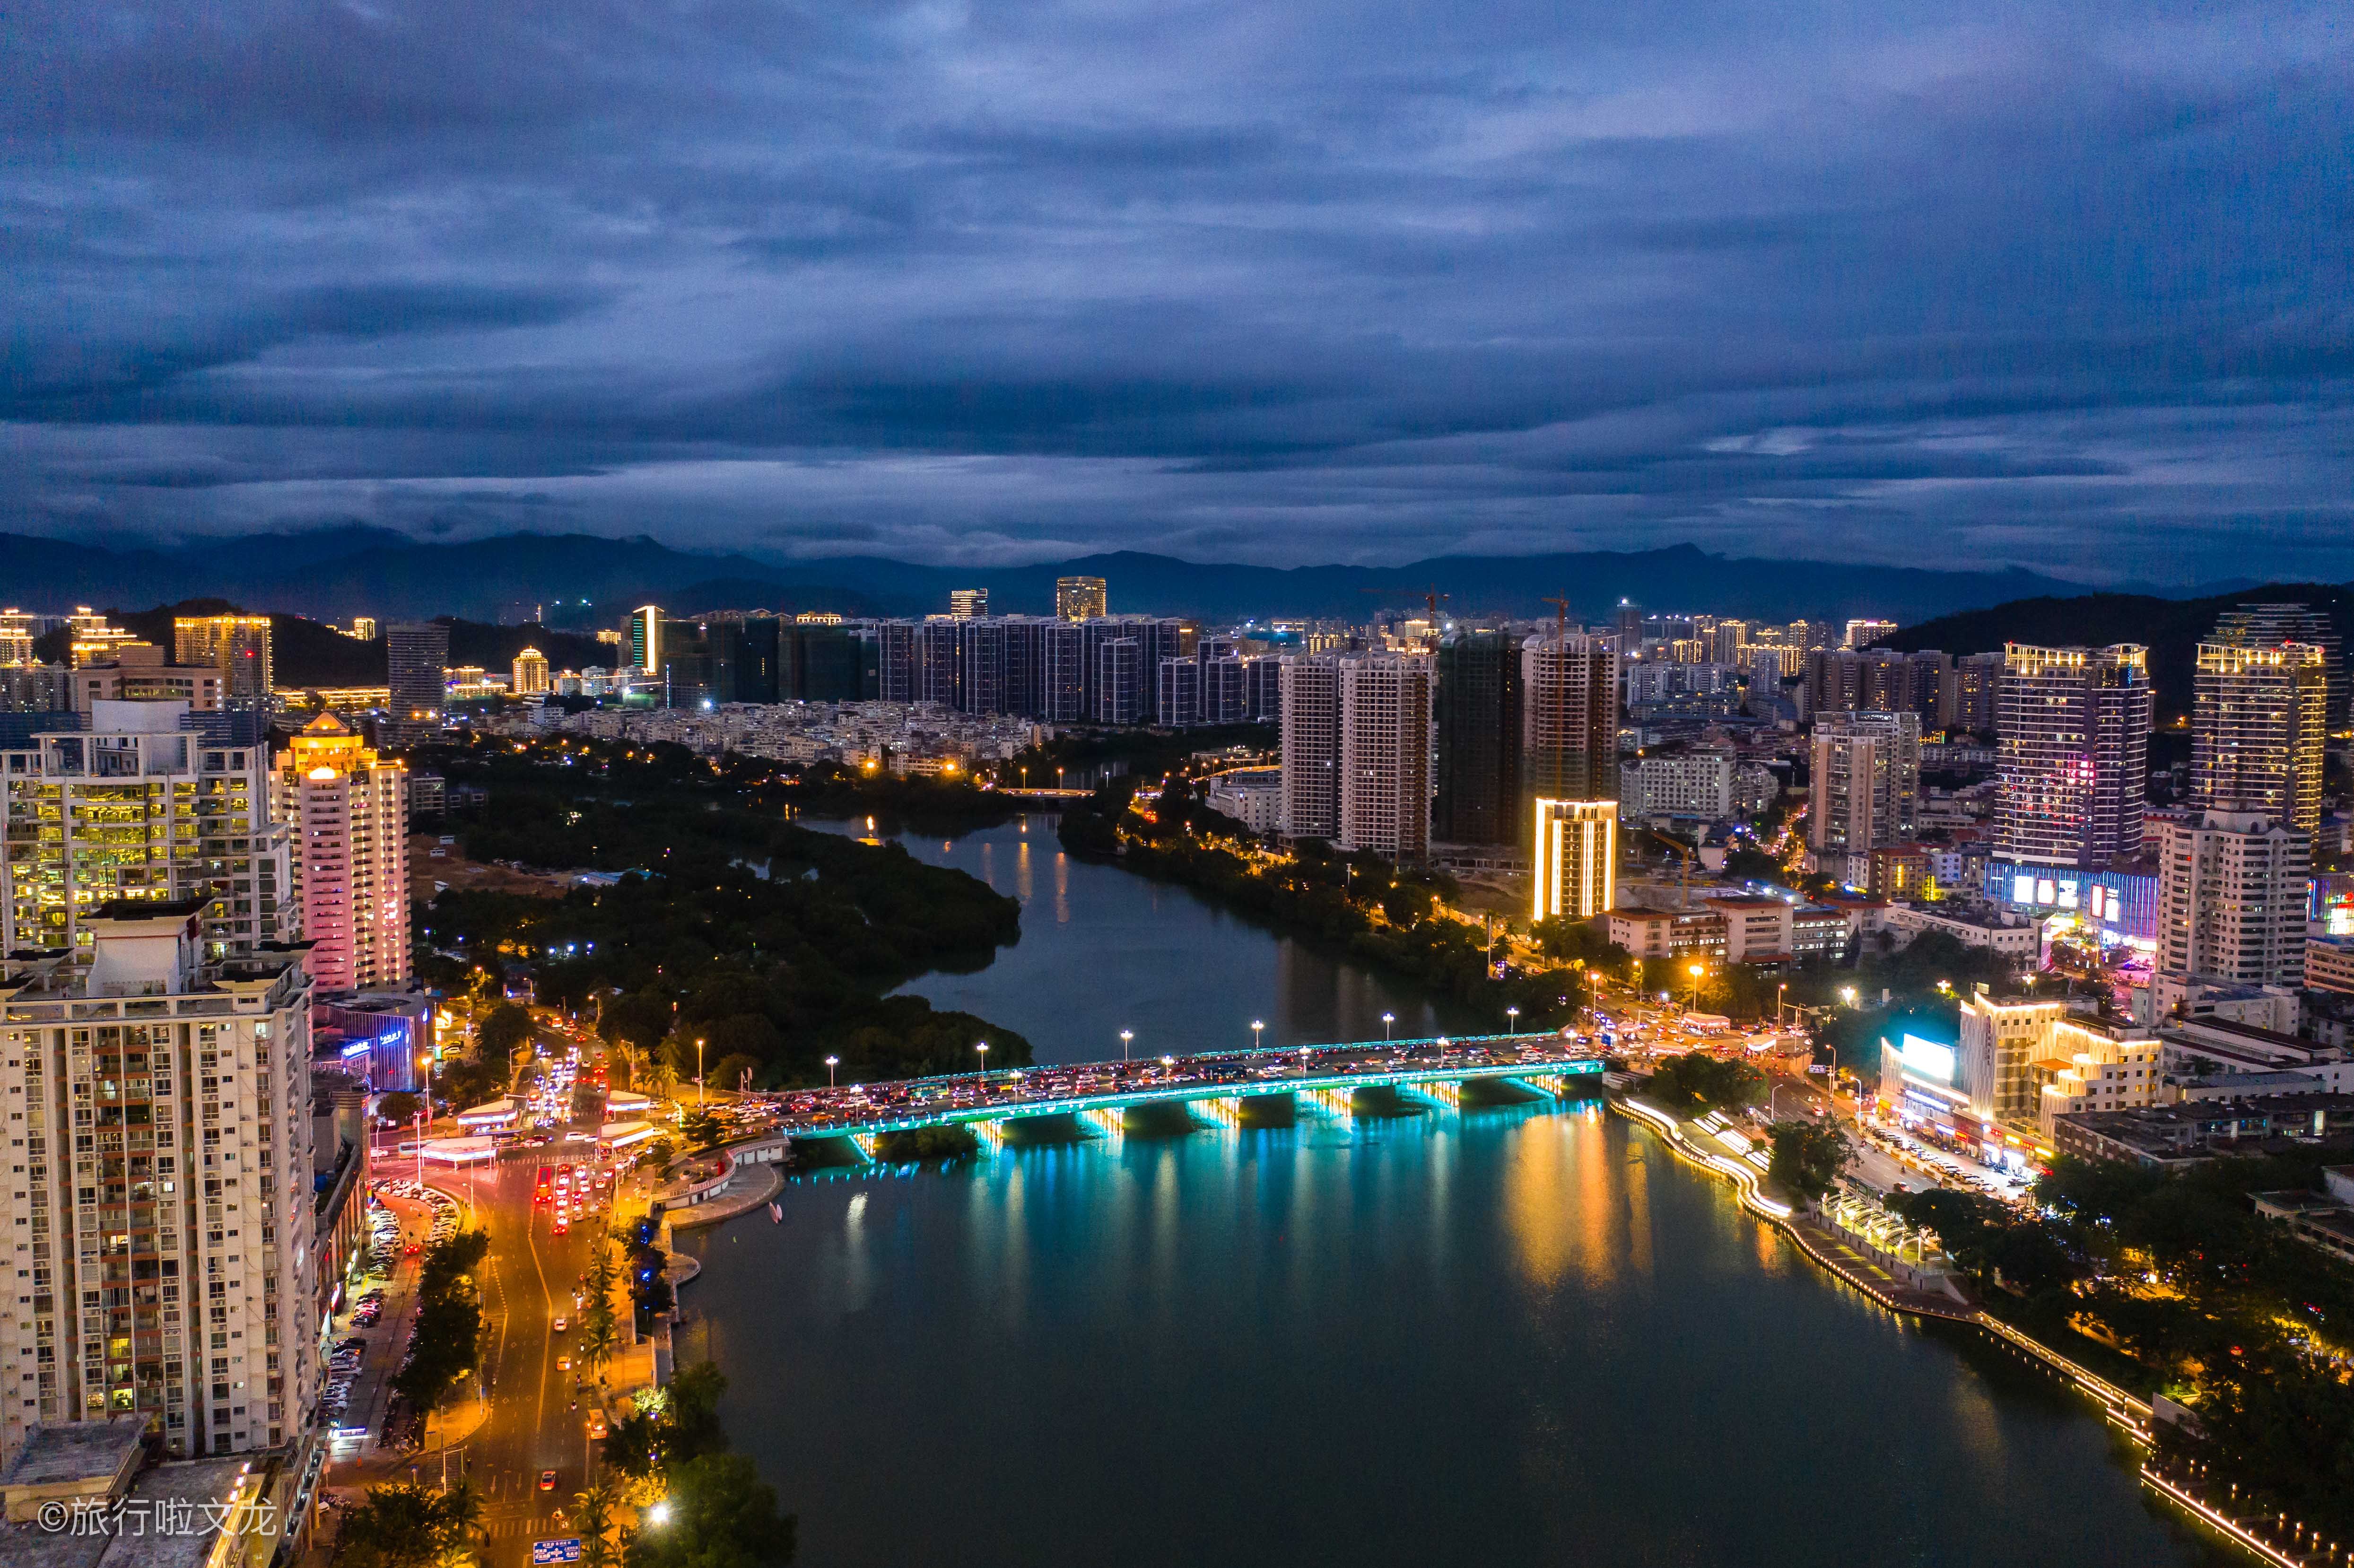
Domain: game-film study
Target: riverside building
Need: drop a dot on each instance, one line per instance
(1385, 755)
(1480, 716)
(1569, 708)
(2232, 905)
(1577, 858)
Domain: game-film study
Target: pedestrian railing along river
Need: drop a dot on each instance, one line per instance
(1327, 1075)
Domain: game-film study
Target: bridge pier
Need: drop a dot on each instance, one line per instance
(1110, 1124)
(1227, 1110)
(1446, 1092)
(864, 1143)
(1331, 1102)
(990, 1132)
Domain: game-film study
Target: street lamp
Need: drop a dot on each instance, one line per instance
(1303, 1061)
(1257, 1032)
(983, 1049)
(1511, 1021)
(698, 1074)
(830, 1064)
(1387, 1019)
(1124, 1036)
(1697, 971)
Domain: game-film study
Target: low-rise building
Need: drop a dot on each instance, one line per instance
(2318, 1222)
(2174, 1137)
(1669, 933)
(2217, 1053)
(2330, 963)
(1899, 870)
(1695, 784)
(1757, 930)
(2097, 1064)
(2016, 936)
(1251, 797)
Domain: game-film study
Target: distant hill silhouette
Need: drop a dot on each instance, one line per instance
(303, 653)
(578, 581)
(2170, 627)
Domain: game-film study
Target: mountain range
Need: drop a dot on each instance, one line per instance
(581, 581)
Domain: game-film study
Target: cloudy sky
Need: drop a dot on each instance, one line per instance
(2028, 281)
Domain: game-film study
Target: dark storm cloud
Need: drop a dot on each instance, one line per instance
(2059, 285)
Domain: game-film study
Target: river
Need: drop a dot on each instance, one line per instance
(1103, 949)
(1511, 1336)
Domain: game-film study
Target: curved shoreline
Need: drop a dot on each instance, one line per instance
(2123, 1411)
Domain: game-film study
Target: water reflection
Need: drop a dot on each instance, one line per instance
(1114, 950)
(1518, 1336)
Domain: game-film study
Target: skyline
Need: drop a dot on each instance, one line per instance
(987, 290)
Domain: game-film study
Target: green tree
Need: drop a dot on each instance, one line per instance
(449, 1320)
(1809, 1156)
(410, 1527)
(503, 1029)
(598, 1338)
(399, 1106)
(691, 1418)
(633, 1442)
(721, 1515)
(701, 1129)
(1696, 1081)
(592, 1517)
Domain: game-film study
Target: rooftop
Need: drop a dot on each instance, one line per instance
(64, 1453)
(164, 1524)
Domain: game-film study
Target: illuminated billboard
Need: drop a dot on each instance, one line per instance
(1927, 1059)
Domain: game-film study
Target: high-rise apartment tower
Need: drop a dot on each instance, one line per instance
(1080, 598)
(2072, 750)
(346, 814)
(236, 645)
(2259, 729)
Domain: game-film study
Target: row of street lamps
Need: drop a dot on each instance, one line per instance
(1127, 1039)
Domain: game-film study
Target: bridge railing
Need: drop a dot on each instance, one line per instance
(1240, 1053)
(901, 1119)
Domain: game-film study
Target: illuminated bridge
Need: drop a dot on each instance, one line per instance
(1318, 1081)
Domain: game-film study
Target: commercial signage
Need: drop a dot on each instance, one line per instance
(567, 1550)
(1927, 1059)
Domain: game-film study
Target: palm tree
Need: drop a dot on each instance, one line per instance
(593, 1518)
(631, 1056)
(460, 1515)
(599, 1339)
(665, 1076)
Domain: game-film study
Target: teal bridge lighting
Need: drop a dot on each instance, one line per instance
(1528, 1062)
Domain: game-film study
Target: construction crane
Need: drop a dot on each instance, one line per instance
(1684, 888)
(1428, 594)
